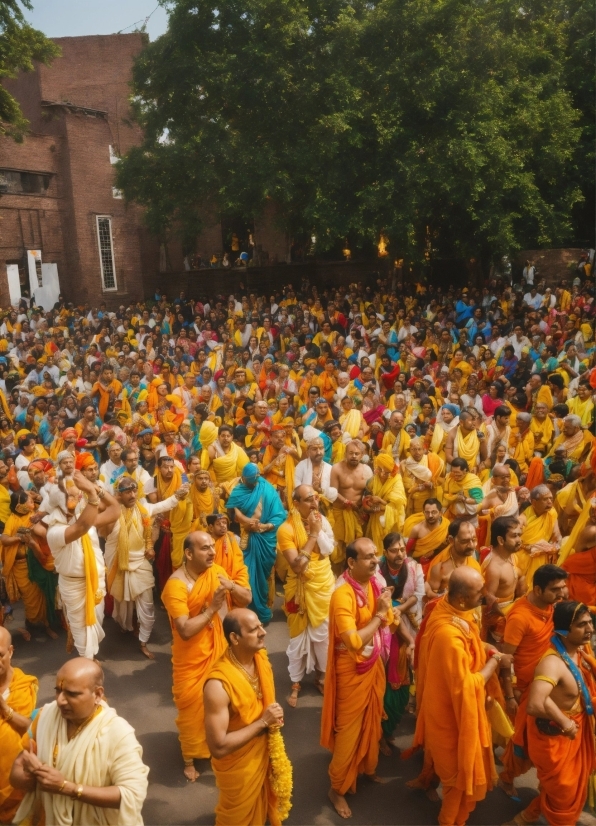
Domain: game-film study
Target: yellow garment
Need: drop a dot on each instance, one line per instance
(22, 698)
(388, 443)
(16, 573)
(452, 488)
(537, 528)
(4, 504)
(568, 545)
(523, 451)
(575, 445)
(583, 409)
(230, 465)
(203, 503)
(434, 541)
(307, 595)
(351, 423)
(207, 435)
(338, 452)
(543, 434)
(392, 519)
(467, 447)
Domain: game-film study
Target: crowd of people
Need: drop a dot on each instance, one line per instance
(415, 469)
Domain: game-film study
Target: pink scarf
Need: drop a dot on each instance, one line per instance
(382, 638)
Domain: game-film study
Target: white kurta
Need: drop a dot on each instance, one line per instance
(303, 476)
(134, 588)
(70, 565)
(105, 753)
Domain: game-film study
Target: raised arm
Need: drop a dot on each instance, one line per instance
(89, 516)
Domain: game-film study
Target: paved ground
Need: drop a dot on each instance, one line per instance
(141, 692)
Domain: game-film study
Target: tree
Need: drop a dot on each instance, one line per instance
(446, 124)
(20, 45)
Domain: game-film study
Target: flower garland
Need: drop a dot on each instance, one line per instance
(280, 773)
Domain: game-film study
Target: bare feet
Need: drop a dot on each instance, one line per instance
(24, 634)
(385, 748)
(191, 773)
(320, 685)
(51, 634)
(340, 804)
(374, 778)
(429, 791)
(293, 698)
(146, 652)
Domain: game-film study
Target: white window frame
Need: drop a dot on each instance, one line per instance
(105, 289)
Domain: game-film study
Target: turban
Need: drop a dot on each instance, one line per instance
(168, 427)
(385, 461)
(452, 408)
(277, 427)
(218, 375)
(173, 399)
(84, 460)
(354, 372)
(145, 432)
(21, 433)
(64, 454)
(38, 464)
(310, 433)
(288, 421)
(207, 434)
(250, 471)
(69, 433)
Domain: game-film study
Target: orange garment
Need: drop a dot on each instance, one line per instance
(581, 583)
(192, 659)
(229, 557)
(16, 573)
(104, 395)
(242, 777)
(353, 702)
(452, 724)
(327, 385)
(530, 629)
(281, 475)
(563, 766)
(22, 698)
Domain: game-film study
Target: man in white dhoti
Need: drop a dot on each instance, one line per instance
(87, 766)
(129, 554)
(306, 541)
(78, 558)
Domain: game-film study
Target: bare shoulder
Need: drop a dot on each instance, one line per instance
(551, 666)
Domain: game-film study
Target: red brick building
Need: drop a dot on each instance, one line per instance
(56, 188)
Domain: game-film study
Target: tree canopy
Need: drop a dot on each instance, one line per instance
(20, 45)
(455, 127)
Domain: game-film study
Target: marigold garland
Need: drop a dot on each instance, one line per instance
(280, 773)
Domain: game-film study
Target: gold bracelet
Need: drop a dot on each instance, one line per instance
(94, 503)
(10, 714)
(61, 787)
(77, 794)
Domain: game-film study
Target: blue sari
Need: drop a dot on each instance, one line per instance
(260, 552)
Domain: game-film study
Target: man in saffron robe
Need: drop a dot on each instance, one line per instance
(255, 504)
(279, 463)
(462, 492)
(175, 523)
(452, 726)
(578, 557)
(395, 440)
(384, 499)
(306, 541)
(528, 629)
(427, 533)
(422, 474)
(106, 390)
(560, 700)
(359, 615)
(227, 551)
(239, 698)
(541, 536)
(18, 694)
(465, 442)
(196, 597)
(461, 551)
(226, 458)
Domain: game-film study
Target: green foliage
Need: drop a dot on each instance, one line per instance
(456, 126)
(20, 45)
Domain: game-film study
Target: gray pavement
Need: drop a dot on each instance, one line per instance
(140, 690)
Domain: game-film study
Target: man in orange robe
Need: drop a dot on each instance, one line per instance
(561, 699)
(106, 390)
(239, 697)
(196, 596)
(359, 614)
(452, 726)
(528, 630)
(15, 719)
(227, 551)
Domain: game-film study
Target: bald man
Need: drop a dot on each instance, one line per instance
(18, 694)
(87, 758)
(452, 727)
(239, 698)
(197, 597)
